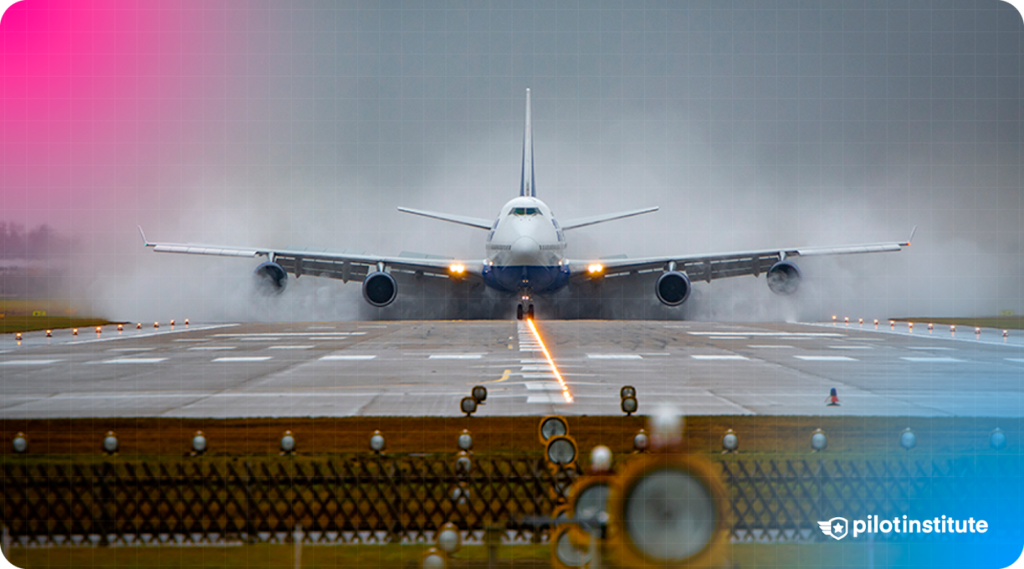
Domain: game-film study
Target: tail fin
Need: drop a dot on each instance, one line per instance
(526, 184)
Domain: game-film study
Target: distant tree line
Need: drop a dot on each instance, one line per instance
(39, 243)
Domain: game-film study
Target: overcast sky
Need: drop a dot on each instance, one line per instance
(751, 124)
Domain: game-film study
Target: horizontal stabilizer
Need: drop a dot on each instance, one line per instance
(584, 221)
(460, 219)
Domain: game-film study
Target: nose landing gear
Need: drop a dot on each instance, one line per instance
(525, 308)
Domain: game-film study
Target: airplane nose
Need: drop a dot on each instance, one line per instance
(524, 249)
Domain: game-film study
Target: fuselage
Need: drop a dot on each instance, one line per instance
(526, 249)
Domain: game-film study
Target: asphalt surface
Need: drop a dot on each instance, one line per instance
(422, 368)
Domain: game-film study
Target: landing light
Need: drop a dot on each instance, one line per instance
(456, 268)
(595, 269)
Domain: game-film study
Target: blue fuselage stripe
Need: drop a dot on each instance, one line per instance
(540, 279)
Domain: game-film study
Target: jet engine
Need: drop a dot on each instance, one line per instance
(673, 288)
(784, 278)
(271, 277)
(380, 289)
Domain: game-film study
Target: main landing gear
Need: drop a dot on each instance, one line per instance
(528, 312)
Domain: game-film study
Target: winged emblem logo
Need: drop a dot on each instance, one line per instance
(836, 528)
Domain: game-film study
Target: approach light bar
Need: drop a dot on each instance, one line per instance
(547, 355)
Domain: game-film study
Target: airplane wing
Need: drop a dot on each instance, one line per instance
(336, 265)
(723, 265)
(585, 221)
(460, 219)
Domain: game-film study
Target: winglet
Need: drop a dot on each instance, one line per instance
(143, 234)
(912, 232)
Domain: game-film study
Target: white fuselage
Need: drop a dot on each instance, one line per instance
(526, 248)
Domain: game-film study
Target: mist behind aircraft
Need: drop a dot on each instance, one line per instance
(750, 127)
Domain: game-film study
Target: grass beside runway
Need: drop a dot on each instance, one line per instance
(12, 324)
(759, 436)
(1003, 322)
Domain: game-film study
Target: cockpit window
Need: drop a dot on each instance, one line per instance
(525, 211)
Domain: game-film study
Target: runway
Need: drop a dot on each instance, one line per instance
(423, 368)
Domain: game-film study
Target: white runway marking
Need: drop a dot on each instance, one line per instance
(211, 348)
(770, 347)
(615, 356)
(825, 358)
(279, 334)
(197, 340)
(932, 360)
(711, 358)
(542, 386)
(932, 349)
(324, 327)
(131, 350)
(537, 367)
(777, 334)
(28, 362)
(455, 356)
(347, 358)
(319, 339)
(728, 337)
(267, 339)
(851, 347)
(291, 347)
(646, 354)
(535, 361)
(242, 359)
(549, 398)
(135, 361)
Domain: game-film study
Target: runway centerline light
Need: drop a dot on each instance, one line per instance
(156, 325)
(997, 439)
(74, 331)
(641, 442)
(49, 333)
(819, 441)
(110, 442)
(468, 406)
(99, 330)
(138, 326)
(186, 322)
(465, 440)
(120, 327)
(730, 442)
(17, 336)
(908, 439)
(860, 321)
(377, 442)
(172, 322)
(20, 443)
(566, 394)
(198, 443)
(287, 443)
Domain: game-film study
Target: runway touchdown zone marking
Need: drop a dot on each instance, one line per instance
(347, 358)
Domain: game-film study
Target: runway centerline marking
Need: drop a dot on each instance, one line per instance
(286, 334)
(134, 361)
(347, 358)
(242, 359)
(933, 360)
(615, 356)
(714, 357)
(547, 355)
(826, 358)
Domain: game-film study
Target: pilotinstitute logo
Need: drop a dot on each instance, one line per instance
(837, 528)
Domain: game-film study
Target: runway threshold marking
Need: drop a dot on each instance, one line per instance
(547, 355)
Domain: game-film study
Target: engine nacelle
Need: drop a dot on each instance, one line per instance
(673, 288)
(380, 289)
(271, 277)
(784, 278)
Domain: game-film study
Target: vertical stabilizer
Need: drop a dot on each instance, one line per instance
(526, 184)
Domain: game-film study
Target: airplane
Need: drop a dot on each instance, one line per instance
(525, 256)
